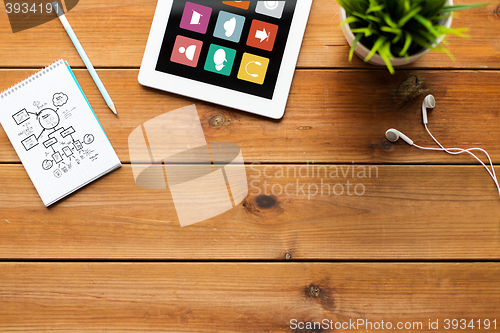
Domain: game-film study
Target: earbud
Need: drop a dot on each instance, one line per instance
(393, 135)
(428, 103)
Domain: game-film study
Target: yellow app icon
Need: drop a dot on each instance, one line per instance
(253, 68)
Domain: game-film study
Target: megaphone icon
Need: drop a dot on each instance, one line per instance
(196, 18)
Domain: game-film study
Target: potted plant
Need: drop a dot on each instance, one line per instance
(398, 32)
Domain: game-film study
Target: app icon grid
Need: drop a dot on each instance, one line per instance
(227, 24)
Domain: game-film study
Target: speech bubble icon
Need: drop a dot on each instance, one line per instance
(230, 26)
(219, 59)
(59, 99)
(28, 14)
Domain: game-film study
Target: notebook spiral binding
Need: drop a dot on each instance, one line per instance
(30, 79)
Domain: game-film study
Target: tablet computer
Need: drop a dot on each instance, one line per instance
(240, 54)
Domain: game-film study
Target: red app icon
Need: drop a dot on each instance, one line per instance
(262, 35)
(238, 4)
(186, 51)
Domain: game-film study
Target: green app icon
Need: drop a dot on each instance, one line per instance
(220, 60)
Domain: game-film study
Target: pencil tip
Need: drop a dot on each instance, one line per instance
(112, 107)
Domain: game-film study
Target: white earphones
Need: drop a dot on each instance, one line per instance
(429, 102)
(393, 135)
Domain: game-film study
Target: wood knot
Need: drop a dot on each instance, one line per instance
(262, 205)
(314, 291)
(408, 84)
(219, 121)
(386, 145)
(409, 89)
(324, 296)
(288, 256)
(497, 11)
(265, 201)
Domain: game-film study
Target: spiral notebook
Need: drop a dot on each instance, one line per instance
(55, 132)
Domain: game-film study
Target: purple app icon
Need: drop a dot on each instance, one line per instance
(195, 17)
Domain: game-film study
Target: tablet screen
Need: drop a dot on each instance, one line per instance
(237, 45)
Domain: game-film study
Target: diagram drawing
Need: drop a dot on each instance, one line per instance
(41, 129)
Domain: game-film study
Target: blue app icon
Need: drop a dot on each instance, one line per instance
(229, 26)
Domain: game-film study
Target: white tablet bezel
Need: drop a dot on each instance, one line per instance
(273, 108)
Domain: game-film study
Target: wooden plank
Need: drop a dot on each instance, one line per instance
(114, 34)
(384, 212)
(326, 119)
(208, 297)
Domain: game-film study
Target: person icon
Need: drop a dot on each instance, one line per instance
(189, 52)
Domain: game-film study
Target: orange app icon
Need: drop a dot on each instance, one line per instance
(262, 35)
(238, 4)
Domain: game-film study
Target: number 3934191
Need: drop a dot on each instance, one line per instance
(464, 324)
(26, 14)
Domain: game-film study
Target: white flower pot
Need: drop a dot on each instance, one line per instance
(361, 51)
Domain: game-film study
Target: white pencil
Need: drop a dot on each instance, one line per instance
(60, 13)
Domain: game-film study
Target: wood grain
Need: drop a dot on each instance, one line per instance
(177, 297)
(401, 212)
(411, 208)
(114, 34)
(332, 116)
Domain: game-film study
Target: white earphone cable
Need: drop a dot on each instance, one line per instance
(492, 173)
(456, 151)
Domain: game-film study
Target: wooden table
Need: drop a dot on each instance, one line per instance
(422, 242)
